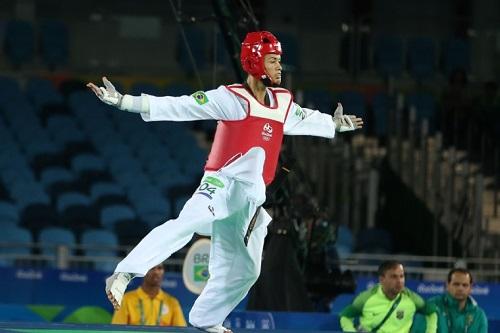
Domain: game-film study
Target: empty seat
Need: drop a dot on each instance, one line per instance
(19, 42)
(421, 57)
(344, 243)
(124, 222)
(179, 203)
(425, 107)
(100, 243)
(374, 240)
(54, 43)
(139, 88)
(291, 49)
(57, 180)
(76, 211)
(196, 48)
(90, 168)
(319, 99)
(14, 241)
(51, 238)
(456, 55)
(42, 92)
(9, 90)
(388, 55)
(9, 214)
(382, 106)
(178, 89)
(353, 102)
(106, 194)
(111, 215)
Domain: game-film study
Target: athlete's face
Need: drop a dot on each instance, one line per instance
(272, 65)
(460, 286)
(393, 281)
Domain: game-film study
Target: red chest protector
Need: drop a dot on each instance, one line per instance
(263, 127)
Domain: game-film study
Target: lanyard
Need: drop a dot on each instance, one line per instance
(467, 321)
(143, 317)
(388, 314)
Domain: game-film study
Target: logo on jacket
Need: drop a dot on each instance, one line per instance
(267, 132)
(400, 314)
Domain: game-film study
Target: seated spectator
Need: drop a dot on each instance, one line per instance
(458, 311)
(388, 306)
(149, 304)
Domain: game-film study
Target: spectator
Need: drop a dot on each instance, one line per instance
(458, 311)
(388, 306)
(149, 304)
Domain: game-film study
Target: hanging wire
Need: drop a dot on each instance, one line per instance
(247, 6)
(186, 43)
(214, 72)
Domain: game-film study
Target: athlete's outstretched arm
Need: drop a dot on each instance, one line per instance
(109, 95)
(217, 104)
(303, 121)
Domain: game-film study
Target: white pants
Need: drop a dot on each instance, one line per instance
(226, 211)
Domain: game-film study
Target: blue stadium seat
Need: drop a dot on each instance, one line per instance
(9, 90)
(153, 210)
(64, 129)
(107, 193)
(100, 243)
(139, 88)
(291, 50)
(318, 99)
(22, 239)
(388, 55)
(344, 243)
(111, 215)
(9, 213)
(374, 240)
(51, 238)
(90, 168)
(42, 92)
(52, 175)
(421, 57)
(382, 106)
(19, 43)
(54, 43)
(178, 89)
(179, 203)
(197, 44)
(57, 180)
(340, 302)
(425, 105)
(353, 103)
(76, 211)
(456, 55)
(124, 222)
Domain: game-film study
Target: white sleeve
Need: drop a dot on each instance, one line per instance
(303, 121)
(217, 104)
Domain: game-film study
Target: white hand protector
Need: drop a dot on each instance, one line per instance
(109, 95)
(343, 122)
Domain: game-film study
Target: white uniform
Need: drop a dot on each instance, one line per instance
(229, 197)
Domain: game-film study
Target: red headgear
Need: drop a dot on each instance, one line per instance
(253, 49)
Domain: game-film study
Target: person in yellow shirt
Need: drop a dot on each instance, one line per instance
(149, 304)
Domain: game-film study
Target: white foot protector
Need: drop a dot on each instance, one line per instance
(115, 287)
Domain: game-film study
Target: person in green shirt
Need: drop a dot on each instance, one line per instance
(458, 311)
(388, 307)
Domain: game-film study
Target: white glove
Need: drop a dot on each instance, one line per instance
(343, 122)
(108, 95)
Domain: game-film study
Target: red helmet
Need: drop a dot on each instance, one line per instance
(253, 49)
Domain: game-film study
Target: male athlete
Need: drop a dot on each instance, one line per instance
(252, 119)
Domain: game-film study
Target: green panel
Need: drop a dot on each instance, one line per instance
(47, 312)
(89, 315)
